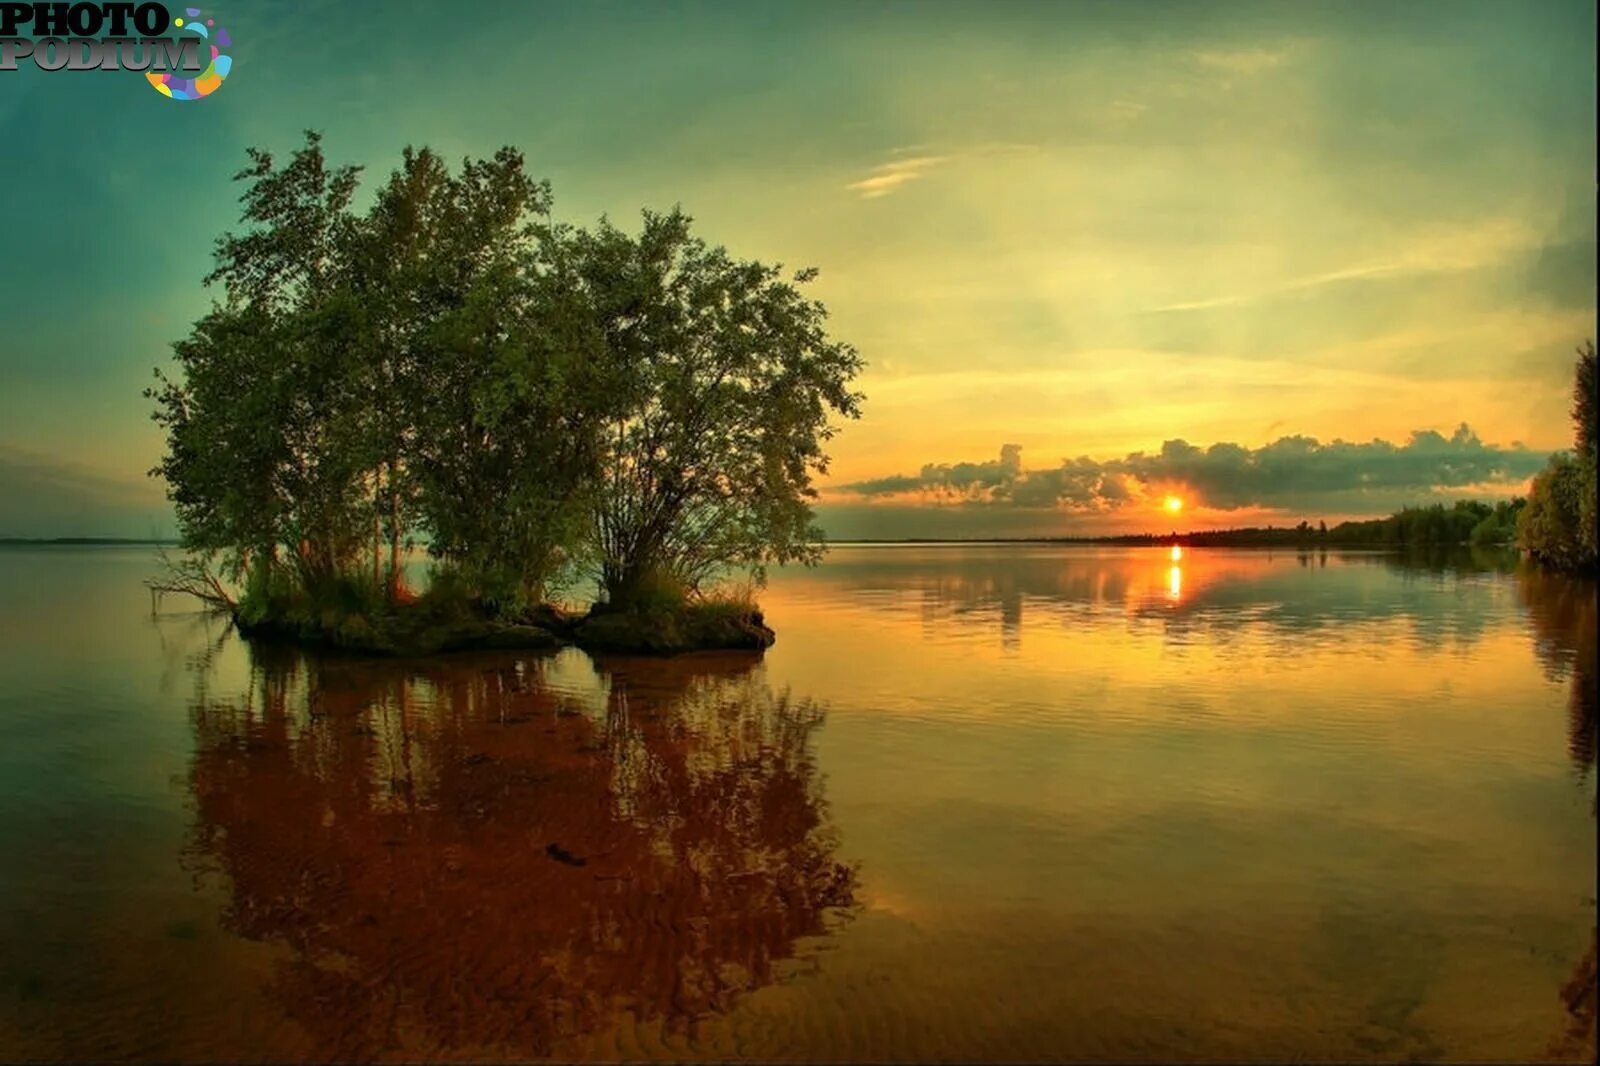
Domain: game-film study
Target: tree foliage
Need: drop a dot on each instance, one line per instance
(1558, 527)
(1552, 526)
(529, 398)
(1431, 526)
(1586, 402)
(727, 385)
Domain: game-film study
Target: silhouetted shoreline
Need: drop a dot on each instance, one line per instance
(1163, 540)
(79, 541)
(1225, 539)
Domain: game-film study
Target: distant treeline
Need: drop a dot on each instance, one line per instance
(87, 540)
(1466, 522)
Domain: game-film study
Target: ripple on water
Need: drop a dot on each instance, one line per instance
(976, 804)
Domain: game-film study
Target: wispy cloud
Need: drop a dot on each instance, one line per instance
(41, 496)
(1243, 61)
(1485, 244)
(888, 177)
(1297, 285)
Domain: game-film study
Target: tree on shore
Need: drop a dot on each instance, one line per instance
(1558, 526)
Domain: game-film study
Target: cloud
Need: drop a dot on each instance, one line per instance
(44, 497)
(888, 177)
(1243, 61)
(1373, 270)
(1445, 251)
(1294, 471)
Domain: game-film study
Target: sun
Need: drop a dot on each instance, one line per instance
(1173, 504)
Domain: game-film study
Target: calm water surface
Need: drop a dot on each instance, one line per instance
(977, 802)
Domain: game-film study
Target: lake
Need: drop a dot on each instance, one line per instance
(978, 802)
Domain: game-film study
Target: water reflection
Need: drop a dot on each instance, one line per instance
(1563, 614)
(490, 855)
(1191, 593)
(1371, 781)
(1562, 611)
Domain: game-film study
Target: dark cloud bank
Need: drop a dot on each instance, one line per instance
(1292, 473)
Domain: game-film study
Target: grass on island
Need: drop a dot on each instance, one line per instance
(364, 616)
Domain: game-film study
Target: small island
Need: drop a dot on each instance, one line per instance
(541, 406)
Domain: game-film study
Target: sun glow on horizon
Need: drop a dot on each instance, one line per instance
(1173, 504)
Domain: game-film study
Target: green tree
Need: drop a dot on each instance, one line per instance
(480, 381)
(260, 421)
(510, 387)
(1551, 525)
(1558, 524)
(1586, 420)
(526, 396)
(725, 384)
(1586, 402)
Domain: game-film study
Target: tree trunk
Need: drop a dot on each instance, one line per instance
(394, 537)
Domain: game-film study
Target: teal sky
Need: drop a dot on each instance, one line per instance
(1083, 229)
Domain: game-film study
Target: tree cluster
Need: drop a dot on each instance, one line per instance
(531, 400)
(1558, 525)
(1464, 522)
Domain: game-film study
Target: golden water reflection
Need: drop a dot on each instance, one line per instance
(489, 857)
(1332, 806)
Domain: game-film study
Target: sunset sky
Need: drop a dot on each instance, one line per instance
(1142, 243)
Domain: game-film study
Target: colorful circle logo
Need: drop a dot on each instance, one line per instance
(208, 81)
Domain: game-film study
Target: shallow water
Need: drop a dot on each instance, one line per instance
(977, 803)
